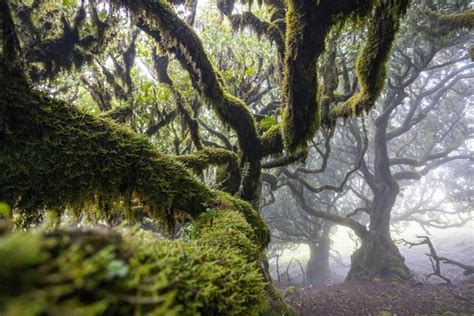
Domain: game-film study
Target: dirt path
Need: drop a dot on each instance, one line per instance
(382, 299)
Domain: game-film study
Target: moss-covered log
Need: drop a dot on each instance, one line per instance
(306, 29)
(215, 272)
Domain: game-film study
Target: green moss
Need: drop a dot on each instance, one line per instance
(270, 29)
(235, 112)
(452, 22)
(229, 229)
(371, 62)
(277, 306)
(272, 140)
(201, 159)
(119, 114)
(228, 178)
(94, 273)
(53, 155)
(227, 172)
(226, 201)
(307, 26)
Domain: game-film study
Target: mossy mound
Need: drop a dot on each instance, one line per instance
(97, 273)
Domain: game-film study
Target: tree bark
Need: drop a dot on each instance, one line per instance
(378, 257)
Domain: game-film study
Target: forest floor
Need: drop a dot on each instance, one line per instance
(380, 298)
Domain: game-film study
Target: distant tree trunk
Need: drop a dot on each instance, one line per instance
(277, 265)
(317, 270)
(378, 257)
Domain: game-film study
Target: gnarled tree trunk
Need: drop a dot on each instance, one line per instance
(378, 257)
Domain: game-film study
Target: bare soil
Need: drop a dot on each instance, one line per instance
(381, 298)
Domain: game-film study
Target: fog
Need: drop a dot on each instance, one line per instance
(455, 243)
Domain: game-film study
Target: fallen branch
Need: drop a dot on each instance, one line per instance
(437, 260)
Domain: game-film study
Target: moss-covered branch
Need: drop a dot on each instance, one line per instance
(159, 21)
(54, 155)
(371, 63)
(201, 159)
(306, 29)
(454, 21)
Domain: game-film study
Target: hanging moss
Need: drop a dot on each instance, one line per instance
(94, 273)
(269, 29)
(371, 62)
(53, 155)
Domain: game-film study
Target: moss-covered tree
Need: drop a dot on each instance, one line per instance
(421, 126)
(94, 161)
